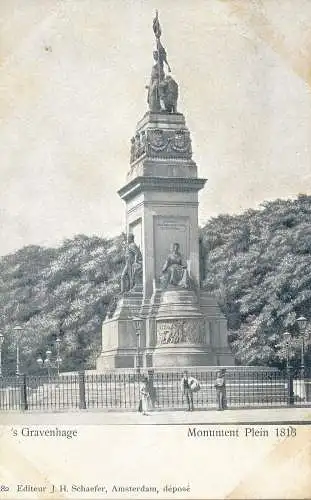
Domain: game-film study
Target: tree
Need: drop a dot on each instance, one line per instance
(258, 265)
(58, 292)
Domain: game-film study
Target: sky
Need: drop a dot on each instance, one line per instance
(72, 89)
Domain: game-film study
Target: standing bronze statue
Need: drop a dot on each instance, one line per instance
(162, 90)
(157, 76)
(132, 271)
(202, 259)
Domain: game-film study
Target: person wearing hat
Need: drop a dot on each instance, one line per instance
(220, 385)
(189, 385)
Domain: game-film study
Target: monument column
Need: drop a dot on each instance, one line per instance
(161, 278)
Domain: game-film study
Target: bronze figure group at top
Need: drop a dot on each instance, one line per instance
(162, 89)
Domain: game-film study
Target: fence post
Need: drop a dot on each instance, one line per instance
(290, 387)
(82, 402)
(23, 389)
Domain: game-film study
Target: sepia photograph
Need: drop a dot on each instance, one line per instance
(155, 250)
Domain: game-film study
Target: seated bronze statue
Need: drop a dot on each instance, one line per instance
(174, 272)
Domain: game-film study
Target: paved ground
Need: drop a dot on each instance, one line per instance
(273, 415)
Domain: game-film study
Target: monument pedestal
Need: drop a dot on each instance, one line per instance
(179, 328)
(119, 337)
(119, 345)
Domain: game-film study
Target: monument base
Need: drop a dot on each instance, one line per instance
(117, 358)
(119, 338)
(179, 328)
(181, 355)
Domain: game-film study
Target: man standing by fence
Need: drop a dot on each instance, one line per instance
(189, 385)
(220, 385)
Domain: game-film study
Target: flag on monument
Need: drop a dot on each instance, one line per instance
(156, 26)
(162, 55)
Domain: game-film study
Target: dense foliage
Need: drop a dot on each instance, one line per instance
(258, 264)
(61, 292)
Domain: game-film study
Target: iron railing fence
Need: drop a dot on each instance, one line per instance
(11, 391)
(121, 391)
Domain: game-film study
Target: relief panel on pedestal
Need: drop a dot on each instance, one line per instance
(177, 331)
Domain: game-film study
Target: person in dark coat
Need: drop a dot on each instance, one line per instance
(220, 385)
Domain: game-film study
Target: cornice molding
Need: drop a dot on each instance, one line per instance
(165, 184)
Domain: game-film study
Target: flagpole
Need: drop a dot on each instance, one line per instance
(158, 51)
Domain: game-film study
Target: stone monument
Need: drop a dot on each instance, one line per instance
(162, 318)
